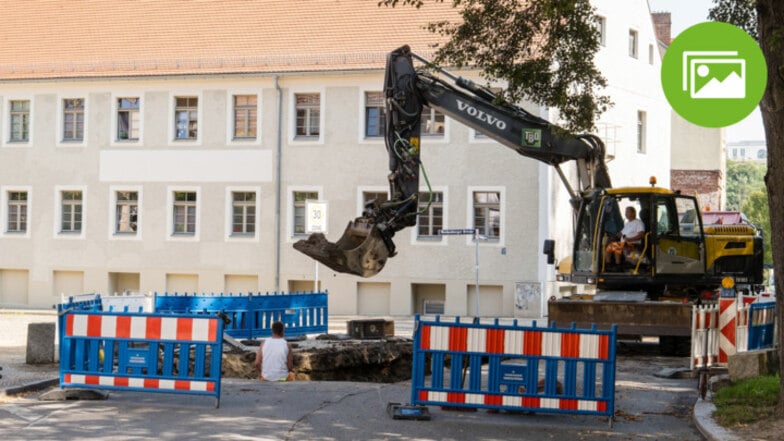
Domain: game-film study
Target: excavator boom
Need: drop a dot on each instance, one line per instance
(366, 243)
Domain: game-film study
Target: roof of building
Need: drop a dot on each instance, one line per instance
(43, 39)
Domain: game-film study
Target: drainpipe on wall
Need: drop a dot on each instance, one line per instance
(278, 182)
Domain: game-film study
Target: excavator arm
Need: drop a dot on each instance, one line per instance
(366, 243)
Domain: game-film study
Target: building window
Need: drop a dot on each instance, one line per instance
(308, 113)
(601, 26)
(71, 220)
(641, 131)
(243, 213)
(17, 211)
(126, 212)
(245, 116)
(632, 43)
(379, 197)
(650, 54)
(73, 119)
(186, 117)
(300, 197)
(375, 114)
(184, 213)
(20, 121)
(432, 122)
(487, 213)
(430, 219)
(128, 119)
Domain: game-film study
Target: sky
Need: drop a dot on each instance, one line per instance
(686, 13)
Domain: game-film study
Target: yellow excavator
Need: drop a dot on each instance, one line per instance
(677, 257)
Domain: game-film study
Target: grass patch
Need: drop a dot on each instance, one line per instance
(747, 401)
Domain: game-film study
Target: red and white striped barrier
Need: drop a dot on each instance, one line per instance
(512, 367)
(142, 352)
(704, 336)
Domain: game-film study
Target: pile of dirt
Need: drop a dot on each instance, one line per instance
(379, 361)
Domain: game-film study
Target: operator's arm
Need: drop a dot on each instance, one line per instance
(290, 359)
(259, 356)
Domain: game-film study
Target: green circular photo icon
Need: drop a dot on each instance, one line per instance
(714, 74)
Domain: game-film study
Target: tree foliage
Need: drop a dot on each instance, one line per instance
(738, 12)
(770, 34)
(543, 49)
(743, 178)
(755, 207)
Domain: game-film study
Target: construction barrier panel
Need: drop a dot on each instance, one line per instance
(734, 325)
(704, 336)
(762, 320)
(142, 352)
(128, 303)
(252, 315)
(511, 367)
(81, 302)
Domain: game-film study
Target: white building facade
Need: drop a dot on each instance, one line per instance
(187, 177)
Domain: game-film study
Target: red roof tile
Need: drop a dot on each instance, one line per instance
(91, 38)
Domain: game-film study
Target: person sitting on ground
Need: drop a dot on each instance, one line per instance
(630, 236)
(274, 357)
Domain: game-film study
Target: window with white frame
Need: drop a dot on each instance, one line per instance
(433, 122)
(71, 211)
(430, 217)
(245, 116)
(650, 54)
(17, 212)
(19, 111)
(375, 114)
(73, 119)
(308, 111)
(186, 118)
(126, 212)
(641, 131)
(300, 197)
(128, 119)
(487, 213)
(633, 51)
(184, 213)
(243, 213)
(370, 196)
(601, 26)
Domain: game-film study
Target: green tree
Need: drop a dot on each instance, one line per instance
(520, 42)
(770, 33)
(755, 207)
(743, 178)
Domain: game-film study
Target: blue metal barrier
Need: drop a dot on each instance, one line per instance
(762, 320)
(252, 315)
(82, 302)
(142, 352)
(537, 369)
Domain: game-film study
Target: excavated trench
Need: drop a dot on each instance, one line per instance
(327, 358)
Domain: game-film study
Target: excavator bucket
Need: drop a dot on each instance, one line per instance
(360, 251)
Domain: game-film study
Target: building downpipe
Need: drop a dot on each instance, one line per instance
(278, 182)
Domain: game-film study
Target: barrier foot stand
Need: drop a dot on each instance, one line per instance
(408, 412)
(217, 403)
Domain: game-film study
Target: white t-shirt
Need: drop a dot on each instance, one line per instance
(632, 228)
(274, 361)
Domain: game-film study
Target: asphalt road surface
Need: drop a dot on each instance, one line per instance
(647, 408)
